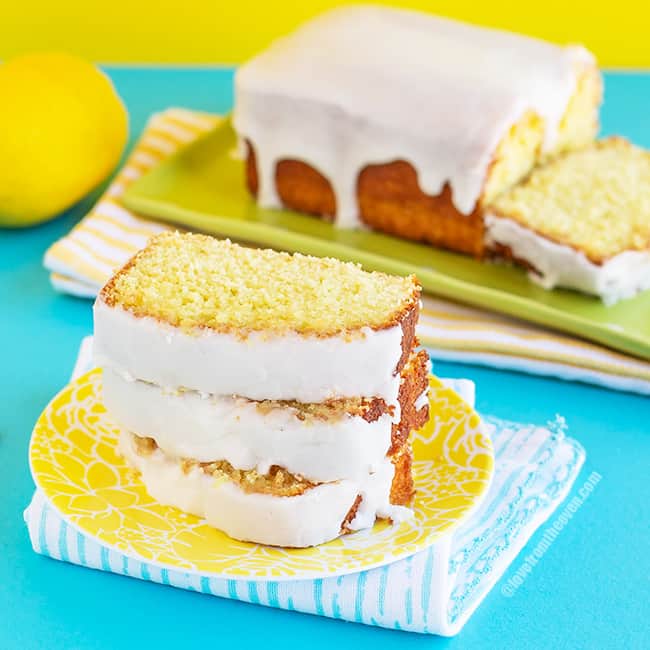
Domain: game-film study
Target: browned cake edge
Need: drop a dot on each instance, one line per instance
(415, 379)
(390, 200)
(414, 383)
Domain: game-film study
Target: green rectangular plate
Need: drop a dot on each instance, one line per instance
(202, 188)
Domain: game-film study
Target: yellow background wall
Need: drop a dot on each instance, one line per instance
(215, 31)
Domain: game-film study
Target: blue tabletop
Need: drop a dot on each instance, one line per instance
(590, 590)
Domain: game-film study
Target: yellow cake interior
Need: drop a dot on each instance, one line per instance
(580, 123)
(330, 410)
(521, 149)
(596, 200)
(277, 481)
(195, 281)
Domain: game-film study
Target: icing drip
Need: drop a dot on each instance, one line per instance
(305, 520)
(369, 85)
(185, 425)
(559, 265)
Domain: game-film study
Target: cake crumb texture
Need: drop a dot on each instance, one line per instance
(596, 200)
(195, 281)
(277, 481)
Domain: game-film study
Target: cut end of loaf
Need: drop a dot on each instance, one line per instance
(195, 281)
(596, 200)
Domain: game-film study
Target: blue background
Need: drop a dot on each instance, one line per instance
(591, 589)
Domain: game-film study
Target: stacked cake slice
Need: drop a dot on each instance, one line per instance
(271, 394)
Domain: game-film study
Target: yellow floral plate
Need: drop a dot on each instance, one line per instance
(74, 463)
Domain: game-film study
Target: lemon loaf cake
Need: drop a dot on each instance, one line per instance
(288, 454)
(581, 221)
(405, 122)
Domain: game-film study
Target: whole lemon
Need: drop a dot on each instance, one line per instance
(63, 128)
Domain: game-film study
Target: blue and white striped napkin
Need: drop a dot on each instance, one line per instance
(434, 591)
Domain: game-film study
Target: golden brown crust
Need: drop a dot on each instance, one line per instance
(402, 489)
(390, 200)
(352, 513)
(415, 379)
(409, 322)
(299, 186)
(107, 293)
(414, 383)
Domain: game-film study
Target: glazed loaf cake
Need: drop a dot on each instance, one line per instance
(407, 123)
(271, 394)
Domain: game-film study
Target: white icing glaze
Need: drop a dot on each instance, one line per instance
(262, 366)
(422, 400)
(186, 425)
(559, 265)
(312, 518)
(367, 85)
(375, 491)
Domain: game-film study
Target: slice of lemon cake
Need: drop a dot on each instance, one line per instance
(195, 312)
(203, 345)
(581, 221)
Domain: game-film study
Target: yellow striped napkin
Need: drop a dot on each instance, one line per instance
(81, 262)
